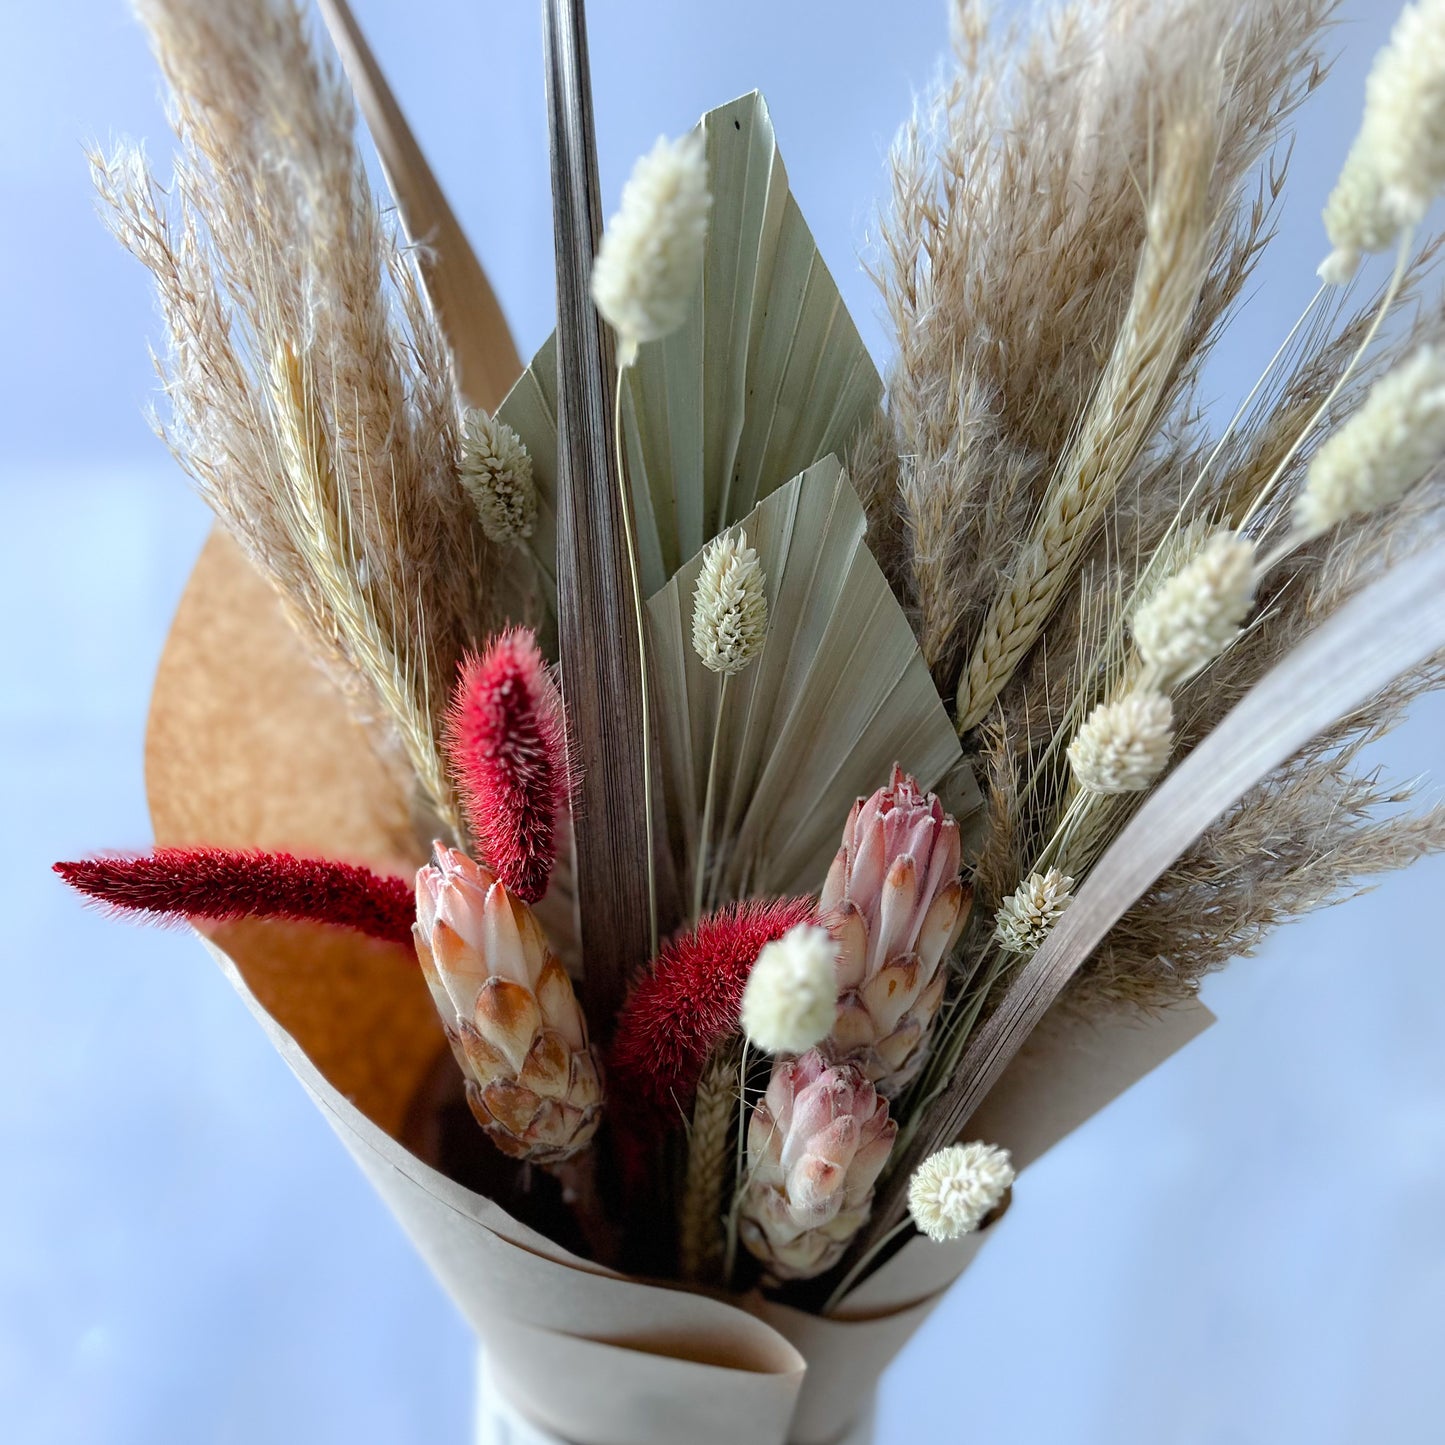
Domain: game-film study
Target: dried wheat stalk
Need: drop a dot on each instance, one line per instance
(1121, 414)
(709, 1169)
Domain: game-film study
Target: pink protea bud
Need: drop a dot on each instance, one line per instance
(509, 1010)
(894, 901)
(817, 1142)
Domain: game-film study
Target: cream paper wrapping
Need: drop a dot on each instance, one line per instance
(248, 746)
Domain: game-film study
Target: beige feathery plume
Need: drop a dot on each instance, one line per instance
(315, 511)
(496, 470)
(730, 605)
(1122, 412)
(650, 259)
(1031, 910)
(1191, 617)
(1123, 746)
(1394, 439)
(270, 251)
(1011, 249)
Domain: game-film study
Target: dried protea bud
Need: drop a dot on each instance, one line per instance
(506, 745)
(650, 259)
(1027, 915)
(509, 1010)
(895, 903)
(1194, 615)
(1121, 747)
(816, 1144)
(496, 472)
(954, 1190)
(1389, 444)
(729, 605)
(791, 999)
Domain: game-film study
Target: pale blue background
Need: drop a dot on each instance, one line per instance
(1249, 1248)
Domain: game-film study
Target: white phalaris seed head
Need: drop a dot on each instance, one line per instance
(953, 1191)
(650, 259)
(1405, 110)
(1396, 166)
(1123, 746)
(496, 472)
(1356, 220)
(791, 998)
(1027, 915)
(729, 605)
(1389, 444)
(1194, 615)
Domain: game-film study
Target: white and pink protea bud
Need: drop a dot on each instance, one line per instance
(817, 1142)
(896, 905)
(509, 1010)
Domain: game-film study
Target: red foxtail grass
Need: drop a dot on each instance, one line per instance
(688, 1003)
(506, 745)
(221, 884)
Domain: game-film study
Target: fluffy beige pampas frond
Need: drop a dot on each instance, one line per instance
(274, 247)
(1010, 253)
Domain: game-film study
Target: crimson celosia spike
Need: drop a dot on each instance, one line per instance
(221, 884)
(688, 1003)
(507, 747)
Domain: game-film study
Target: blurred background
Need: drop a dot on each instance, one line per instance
(1249, 1247)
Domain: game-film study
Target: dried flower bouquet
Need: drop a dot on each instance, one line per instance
(794, 743)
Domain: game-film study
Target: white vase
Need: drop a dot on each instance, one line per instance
(498, 1422)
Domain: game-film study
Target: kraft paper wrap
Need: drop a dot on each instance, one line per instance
(249, 745)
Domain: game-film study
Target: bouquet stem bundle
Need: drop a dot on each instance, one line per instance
(1070, 688)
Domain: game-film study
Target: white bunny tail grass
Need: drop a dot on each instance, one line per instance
(730, 605)
(1195, 614)
(1123, 746)
(1396, 166)
(954, 1190)
(497, 474)
(648, 264)
(1395, 438)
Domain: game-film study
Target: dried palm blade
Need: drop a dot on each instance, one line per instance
(838, 694)
(768, 375)
(486, 356)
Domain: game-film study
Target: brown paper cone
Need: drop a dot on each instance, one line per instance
(248, 745)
